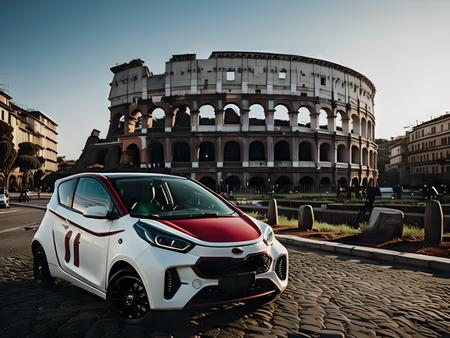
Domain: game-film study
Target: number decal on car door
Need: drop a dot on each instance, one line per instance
(76, 248)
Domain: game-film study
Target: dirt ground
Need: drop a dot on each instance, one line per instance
(405, 244)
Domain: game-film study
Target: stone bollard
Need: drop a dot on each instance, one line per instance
(384, 225)
(272, 212)
(433, 223)
(305, 217)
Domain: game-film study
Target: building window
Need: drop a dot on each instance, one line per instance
(3, 114)
(323, 81)
(231, 76)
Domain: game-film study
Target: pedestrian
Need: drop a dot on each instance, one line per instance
(371, 193)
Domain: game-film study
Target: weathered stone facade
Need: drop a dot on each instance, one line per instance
(241, 120)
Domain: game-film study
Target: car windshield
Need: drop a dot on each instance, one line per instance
(168, 198)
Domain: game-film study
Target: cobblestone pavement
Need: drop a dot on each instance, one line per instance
(352, 298)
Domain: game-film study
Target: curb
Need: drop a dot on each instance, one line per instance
(41, 207)
(422, 261)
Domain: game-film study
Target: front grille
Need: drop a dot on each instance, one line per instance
(171, 283)
(215, 267)
(281, 267)
(212, 295)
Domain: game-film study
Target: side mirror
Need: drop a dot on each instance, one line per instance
(95, 211)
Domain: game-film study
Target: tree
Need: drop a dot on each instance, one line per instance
(7, 152)
(27, 160)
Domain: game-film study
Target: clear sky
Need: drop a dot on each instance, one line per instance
(55, 55)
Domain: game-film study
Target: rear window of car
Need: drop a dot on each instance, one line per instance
(65, 192)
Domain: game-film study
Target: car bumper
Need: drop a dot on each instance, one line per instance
(190, 287)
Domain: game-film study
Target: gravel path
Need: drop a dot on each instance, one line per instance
(328, 295)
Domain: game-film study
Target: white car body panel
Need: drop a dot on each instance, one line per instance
(103, 243)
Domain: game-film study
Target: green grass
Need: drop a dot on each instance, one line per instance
(408, 230)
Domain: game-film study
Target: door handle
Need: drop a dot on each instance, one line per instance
(65, 224)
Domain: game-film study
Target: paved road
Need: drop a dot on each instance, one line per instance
(16, 224)
(353, 297)
(358, 299)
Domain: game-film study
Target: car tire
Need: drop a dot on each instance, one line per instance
(41, 271)
(127, 296)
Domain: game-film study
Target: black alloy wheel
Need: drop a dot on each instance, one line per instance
(41, 272)
(127, 296)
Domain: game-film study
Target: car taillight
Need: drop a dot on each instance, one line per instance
(281, 267)
(171, 283)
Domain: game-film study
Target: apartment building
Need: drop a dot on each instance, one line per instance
(429, 152)
(29, 126)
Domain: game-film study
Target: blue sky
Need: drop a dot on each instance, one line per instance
(56, 55)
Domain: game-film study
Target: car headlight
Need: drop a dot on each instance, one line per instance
(162, 239)
(268, 236)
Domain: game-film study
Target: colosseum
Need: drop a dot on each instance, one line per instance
(241, 121)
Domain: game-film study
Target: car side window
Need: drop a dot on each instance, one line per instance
(90, 192)
(65, 192)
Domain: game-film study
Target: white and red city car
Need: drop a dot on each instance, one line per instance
(155, 242)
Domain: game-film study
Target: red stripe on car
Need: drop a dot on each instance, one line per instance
(67, 246)
(76, 251)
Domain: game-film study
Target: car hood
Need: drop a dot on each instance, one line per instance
(217, 229)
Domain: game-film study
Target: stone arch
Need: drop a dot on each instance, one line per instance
(306, 184)
(209, 182)
(325, 152)
(156, 153)
(304, 117)
(256, 151)
(342, 153)
(257, 183)
(342, 183)
(281, 116)
(323, 119)
(355, 155)
(132, 156)
(363, 127)
(182, 118)
(206, 115)
(283, 184)
(365, 156)
(256, 115)
(364, 182)
(305, 152)
(282, 151)
(181, 152)
(118, 124)
(342, 121)
(369, 130)
(158, 118)
(232, 114)
(135, 121)
(355, 182)
(206, 152)
(232, 183)
(356, 127)
(325, 184)
(232, 152)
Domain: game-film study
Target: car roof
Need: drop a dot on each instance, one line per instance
(128, 175)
